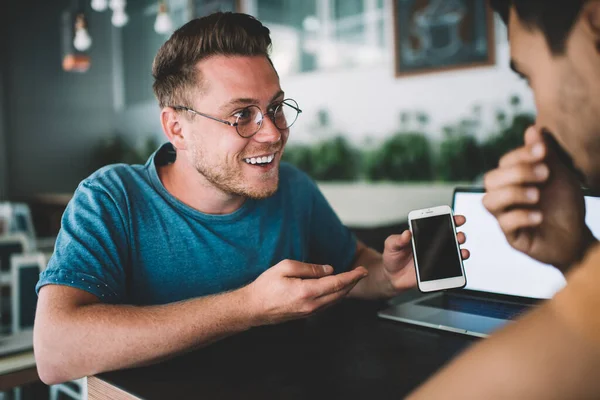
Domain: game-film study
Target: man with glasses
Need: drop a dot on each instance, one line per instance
(213, 235)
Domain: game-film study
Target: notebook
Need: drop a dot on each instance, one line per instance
(502, 283)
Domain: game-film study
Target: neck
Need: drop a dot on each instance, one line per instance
(190, 187)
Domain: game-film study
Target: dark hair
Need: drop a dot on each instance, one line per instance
(222, 33)
(554, 18)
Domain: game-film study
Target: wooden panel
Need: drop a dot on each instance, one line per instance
(101, 390)
(18, 378)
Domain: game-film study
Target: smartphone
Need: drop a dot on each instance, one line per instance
(438, 261)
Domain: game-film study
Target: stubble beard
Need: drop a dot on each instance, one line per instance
(230, 180)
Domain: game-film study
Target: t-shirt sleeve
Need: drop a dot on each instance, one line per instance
(91, 248)
(331, 242)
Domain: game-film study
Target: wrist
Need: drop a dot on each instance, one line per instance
(587, 242)
(387, 284)
(249, 307)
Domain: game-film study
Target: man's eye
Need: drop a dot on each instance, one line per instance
(242, 114)
(274, 107)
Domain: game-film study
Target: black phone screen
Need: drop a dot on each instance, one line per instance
(435, 247)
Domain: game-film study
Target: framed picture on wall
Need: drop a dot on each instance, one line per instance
(441, 35)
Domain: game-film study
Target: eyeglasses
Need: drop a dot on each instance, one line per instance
(249, 120)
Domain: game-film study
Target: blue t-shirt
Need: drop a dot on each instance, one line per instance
(127, 240)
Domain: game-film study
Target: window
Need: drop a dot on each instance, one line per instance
(140, 42)
(314, 35)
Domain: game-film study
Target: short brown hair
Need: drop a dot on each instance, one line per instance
(222, 33)
(555, 19)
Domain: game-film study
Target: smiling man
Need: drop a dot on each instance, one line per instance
(214, 235)
(553, 352)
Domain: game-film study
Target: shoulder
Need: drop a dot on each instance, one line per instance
(114, 181)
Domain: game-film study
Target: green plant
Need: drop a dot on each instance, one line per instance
(460, 158)
(506, 140)
(115, 149)
(329, 160)
(301, 156)
(403, 157)
(335, 160)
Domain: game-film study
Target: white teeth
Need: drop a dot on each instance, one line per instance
(260, 160)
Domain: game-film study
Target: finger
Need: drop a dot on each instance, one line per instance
(533, 136)
(500, 199)
(525, 154)
(461, 237)
(331, 298)
(305, 270)
(397, 242)
(535, 150)
(465, 254)
(512, 221)
(335, 283)
(521, 174)
(459, 220)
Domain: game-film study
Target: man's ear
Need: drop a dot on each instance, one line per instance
(172, 127)
(592, 17)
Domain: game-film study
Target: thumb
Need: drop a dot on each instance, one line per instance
(397, 242)
(307, 271)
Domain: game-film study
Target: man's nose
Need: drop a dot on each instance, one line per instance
(268, 132)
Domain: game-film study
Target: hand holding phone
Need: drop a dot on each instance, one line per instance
(438, 261)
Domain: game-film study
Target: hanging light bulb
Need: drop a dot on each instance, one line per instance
(119, 18)
(82, 40)
(163, 23)
(99, 5)
(117, 5)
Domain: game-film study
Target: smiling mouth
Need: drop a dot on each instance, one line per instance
(262, 160)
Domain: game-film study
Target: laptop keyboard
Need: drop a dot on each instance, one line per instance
(493, 309)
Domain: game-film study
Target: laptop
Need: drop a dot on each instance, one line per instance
(502, 283)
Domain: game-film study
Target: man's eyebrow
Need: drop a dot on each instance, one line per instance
(516, 70)
(246, 101)
(278, 94)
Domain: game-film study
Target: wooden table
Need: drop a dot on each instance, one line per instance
(345, 352)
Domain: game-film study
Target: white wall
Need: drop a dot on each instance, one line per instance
(369, 100)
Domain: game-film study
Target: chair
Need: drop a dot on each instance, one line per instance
(76, 390)
(9, 246)
(25, 270)
(16, 218)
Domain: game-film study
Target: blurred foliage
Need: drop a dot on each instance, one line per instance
(460, 159)
(409, 155)
(115, 149)
(403, 157)
(301, 156)
(509, 138)
(330, 160)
